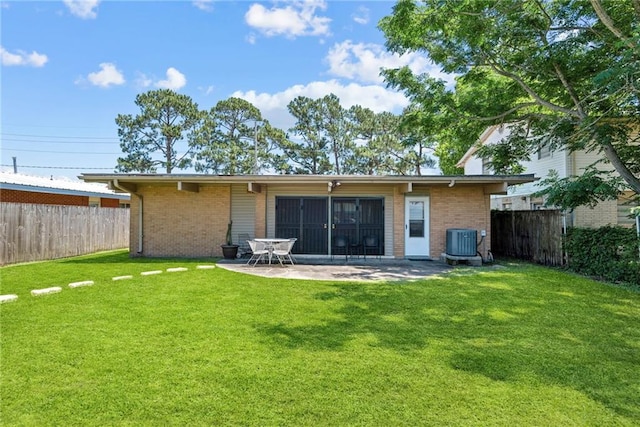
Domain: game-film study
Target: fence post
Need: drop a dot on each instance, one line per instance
(636, 211)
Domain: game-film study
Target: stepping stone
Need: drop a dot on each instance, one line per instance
(122, 277)
(79, 284)
(205, 267)
(172, 270)
(8, 298)
(149, 273)
(52, 290)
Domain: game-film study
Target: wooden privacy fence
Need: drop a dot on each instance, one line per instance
(31, 232)
(529, 235)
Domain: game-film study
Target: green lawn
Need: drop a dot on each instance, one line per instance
(515, 346)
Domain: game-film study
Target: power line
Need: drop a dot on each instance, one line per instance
(49, 126)
(56, 142)
(57, 152)
(55, 167)
(56, 136)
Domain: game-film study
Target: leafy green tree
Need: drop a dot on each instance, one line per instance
(565, 69)
(377, 142)
(151, 138)
(269, 142)
(338, 130)
(227, 141)
(419, 128)
(310, 155)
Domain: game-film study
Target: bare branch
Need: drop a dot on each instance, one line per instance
(620, 166)
(544, 12)
(569, 88)
(608, 22)
(501, 116)
(532, 93)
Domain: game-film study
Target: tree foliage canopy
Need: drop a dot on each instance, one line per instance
(166, 119)
(233, 138)
(566, 70)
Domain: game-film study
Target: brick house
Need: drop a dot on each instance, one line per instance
(565, 163)
(19, 188)
(186, 215)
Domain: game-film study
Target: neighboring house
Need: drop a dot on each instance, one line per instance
(565, 163)
(187, 215)
(19, 188)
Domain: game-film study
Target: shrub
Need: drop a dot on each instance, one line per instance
(609, 253)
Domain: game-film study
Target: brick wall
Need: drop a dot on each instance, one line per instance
(261, 214)
(604, 213)
(181, 223)
(109, 203)
(17, 196)
(458, 207)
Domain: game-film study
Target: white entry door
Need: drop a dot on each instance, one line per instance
(416, 227)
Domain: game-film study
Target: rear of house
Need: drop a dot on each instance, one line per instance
(187, 215)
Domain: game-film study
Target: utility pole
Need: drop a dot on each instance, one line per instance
(255, 147)
(256, 166)
(15, 164)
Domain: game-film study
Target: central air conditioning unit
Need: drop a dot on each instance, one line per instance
(461, 242)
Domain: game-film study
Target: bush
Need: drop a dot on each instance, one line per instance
(608, 253)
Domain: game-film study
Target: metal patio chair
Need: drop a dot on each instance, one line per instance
(340, 243)
(371, 243)
(258, 251)
(244, 248)
(282, 251)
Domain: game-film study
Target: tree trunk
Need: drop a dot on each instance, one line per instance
(620, 167)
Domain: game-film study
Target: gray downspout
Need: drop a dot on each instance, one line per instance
(140, 211)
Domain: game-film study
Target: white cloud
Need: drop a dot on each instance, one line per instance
(363, 62)
(297, 18)
(274, 106)
(107, 76)
(204, 5)
(85, 9)
(206, 91)
(175, 80)
(251, 38)
(361, 16)
(33, 59)
(142, 81)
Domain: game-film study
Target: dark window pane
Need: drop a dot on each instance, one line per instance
(416, 228)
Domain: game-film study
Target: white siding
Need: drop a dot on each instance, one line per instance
(540, 168)
(581, 160)
(243, 211)
(473, 166)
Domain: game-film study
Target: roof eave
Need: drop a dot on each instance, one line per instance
(450, 180)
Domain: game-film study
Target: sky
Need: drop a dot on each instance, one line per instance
(68, 68)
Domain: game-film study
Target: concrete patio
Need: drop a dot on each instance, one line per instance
(354, 269)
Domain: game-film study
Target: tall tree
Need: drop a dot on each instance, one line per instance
(308, 156)
(227, 141)
(565, 70)
(338, 130)
(160, 135)
(376, 140)
(385, 146)
(419, 128)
